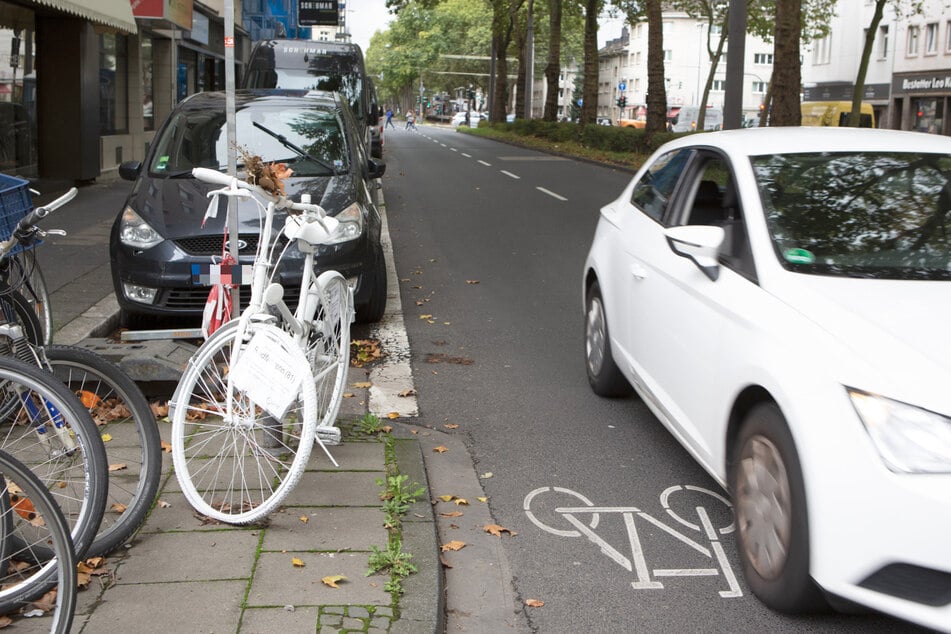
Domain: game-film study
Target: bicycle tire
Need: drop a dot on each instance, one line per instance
(256, 477)
(77, 476)
(16, 309)
(34, 517)
(131, 438)
(328, 345)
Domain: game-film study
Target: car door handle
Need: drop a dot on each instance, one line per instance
(638, 272)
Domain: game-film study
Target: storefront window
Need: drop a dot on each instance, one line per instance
(18, 153)
(929, 116)
(147, 90)
(113, 84)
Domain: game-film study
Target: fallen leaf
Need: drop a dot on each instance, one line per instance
(166, 447)
(497, 530)
(453, 545)
(472, 281)
(460, 502)
(119, 466)
(425, 316)
(407, 392)
(297, 563)
(118, 507)
(386, 429)
(363, 385)
(6, 621)
(348, 395)
(483, 499)
(452, 514)
(451, 426)
(447, 498)
(106, 437)
(159, 410)
(440, 449)
(163, 504)
(333, 580)
(393, 415)
(304, 519)
(487, 474)
(534, 603)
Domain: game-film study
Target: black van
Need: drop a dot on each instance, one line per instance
(312, 65)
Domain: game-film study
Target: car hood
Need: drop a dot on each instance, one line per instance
(175, 207)
(895, 332)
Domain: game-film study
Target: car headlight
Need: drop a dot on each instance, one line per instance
(137, 233)
(908, 438)
(351, 224)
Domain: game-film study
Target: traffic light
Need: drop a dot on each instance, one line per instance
(618, 102)
(623, 101)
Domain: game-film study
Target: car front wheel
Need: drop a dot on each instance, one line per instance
(770, 506)
(604, 376)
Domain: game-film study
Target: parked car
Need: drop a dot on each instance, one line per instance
(159, 239)
(779, 298)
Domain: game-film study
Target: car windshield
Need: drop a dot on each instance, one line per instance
(198, 138)
(878, 215)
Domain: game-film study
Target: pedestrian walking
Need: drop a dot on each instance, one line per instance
(389, 119)
(410, 120)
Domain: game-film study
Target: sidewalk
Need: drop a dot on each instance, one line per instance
(183, 573)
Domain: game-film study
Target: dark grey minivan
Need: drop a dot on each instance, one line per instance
(313, 65)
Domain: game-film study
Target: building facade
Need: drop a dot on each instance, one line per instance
(623, 68)
(83, 83)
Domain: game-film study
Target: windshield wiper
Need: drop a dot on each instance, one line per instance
(290, 146)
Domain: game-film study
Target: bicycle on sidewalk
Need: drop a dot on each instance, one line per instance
(119, 416)
(265, 387)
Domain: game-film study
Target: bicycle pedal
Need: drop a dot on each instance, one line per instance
(329, 435)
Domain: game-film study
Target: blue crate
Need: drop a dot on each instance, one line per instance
(15, 203)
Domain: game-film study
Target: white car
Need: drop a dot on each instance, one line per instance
(781, 300)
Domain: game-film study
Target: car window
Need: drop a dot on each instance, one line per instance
(652, 192)
(197, 138)
(859, 214)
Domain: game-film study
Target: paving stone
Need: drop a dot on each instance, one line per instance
(190, 556)
(207, 606)
(344, 488)
(351, 456)
(277, 582)
(270, 620)
(326, 529)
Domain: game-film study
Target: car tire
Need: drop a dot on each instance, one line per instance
(373, 310)
(769, 497)
(604, 376)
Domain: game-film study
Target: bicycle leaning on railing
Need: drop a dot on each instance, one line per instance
(266, 386)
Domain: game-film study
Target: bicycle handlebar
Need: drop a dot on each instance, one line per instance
(42, 212)
(215, 177)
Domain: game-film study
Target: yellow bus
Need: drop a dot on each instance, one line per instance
(835, 113)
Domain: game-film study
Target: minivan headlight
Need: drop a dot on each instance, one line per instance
(351, 224)
(908, 438)
(137, 233)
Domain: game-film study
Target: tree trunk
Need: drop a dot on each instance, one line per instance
(855, 118)
(553, 68)
(521, 46)
(714, 62)
(656, 89)
(589, 103)
(787, 77)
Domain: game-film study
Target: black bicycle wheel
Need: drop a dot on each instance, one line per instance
(32, 524)
(130, 435)
(16, 309)
(51, 432)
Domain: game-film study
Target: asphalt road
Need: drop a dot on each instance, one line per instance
(489, 242)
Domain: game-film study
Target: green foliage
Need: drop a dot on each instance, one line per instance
(398, 496)
(369, 424)
(393, 560)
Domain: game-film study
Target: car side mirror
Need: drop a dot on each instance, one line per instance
(376, 167)
(699, 244)
(129, 170)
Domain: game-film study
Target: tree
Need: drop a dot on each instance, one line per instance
(504, 13)
(553, 67)
(636, 11)
(787, 75)
(589, 103)
(712, 12)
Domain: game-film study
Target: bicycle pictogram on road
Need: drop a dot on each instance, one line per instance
(584, 519)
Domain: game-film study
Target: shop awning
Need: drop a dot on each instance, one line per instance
(114, 13)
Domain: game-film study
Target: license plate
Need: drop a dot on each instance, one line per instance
(230, 274)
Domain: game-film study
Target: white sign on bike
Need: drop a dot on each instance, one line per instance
(268, 374)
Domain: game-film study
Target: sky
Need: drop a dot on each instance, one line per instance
(365, 17)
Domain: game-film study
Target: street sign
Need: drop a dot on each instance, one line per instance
(622, 86)
(579, 102)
